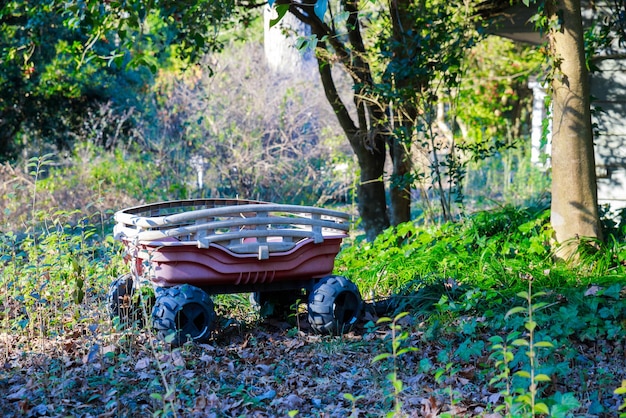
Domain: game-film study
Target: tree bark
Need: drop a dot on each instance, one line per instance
(371, 191)
(574, 210)
(369, 148)
(373, 131)
(403, 119)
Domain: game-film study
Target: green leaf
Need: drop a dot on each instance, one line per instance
(400, 316)
(527, 227)
(349, 397)
(544, 344)
(381, 357)
(281, 10)
(199, 40)
(521, 342)
(542, 408)
(515, 310)
(305, 43)
(425, 365)
(530, 325)
(523, 373)
(78, 295)
(496, 347)
(397, 384)
(563, 404)
(542, 378)
(406, 350)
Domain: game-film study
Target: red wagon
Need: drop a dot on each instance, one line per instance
(188, 250)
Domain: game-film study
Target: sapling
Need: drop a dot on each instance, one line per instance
(622, 391)
(523, 397)
(398, 337)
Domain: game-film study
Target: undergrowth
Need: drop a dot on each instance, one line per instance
(461, 281)
(453, 324)
(485, 251)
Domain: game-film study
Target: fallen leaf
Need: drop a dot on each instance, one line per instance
(200, 404)
(92, 356)
(270, 394)
(177, 359)
(17, 395)
(293, 401)
(142, 363)
(592, 291)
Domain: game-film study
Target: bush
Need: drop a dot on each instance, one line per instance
(488, 250)
(250, 133)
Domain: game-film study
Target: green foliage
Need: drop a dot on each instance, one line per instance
(622, 391)
(146, 30)
(534, 346)
(47, 84)
(88, 184)
(607, 33)
(55, 272)
(493, 100)
(522, 396)
(529, 398)
(60, 61)
(49, 281)
(417, 55)
(399, 347)
(486, 248)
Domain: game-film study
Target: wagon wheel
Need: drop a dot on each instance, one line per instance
(335, 305)
(121, 301)
(183, 313)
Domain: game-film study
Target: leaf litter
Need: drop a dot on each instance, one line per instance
(267, 370)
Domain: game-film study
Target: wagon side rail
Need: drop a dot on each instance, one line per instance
(246, 229)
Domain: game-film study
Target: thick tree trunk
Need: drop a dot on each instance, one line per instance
(370, 152)
(371, 190)
(574, 193)
(403, 118)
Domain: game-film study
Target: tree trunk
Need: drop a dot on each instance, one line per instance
(371, 190)
(369, 148)
(368, 132)
(574, 192)
(403, 114)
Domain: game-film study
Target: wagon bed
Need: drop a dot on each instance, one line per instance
(237, 242)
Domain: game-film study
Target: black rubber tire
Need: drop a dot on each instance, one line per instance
(335, 305)
(121, 302)
(183, 313)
